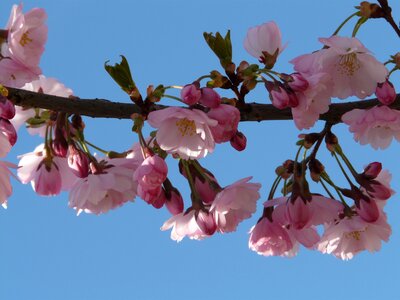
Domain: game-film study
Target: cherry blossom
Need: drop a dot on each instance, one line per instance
(235, 203)
(183, 131)
(353, 70)
(228, 118)
(376, 126)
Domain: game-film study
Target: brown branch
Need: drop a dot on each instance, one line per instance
(387, 15)
(100, 108)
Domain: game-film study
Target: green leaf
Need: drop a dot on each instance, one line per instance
(121, 73)
(221, 46)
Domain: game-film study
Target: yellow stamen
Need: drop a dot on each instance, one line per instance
(25, 39)
(348, 64)
(3, 91)
(186, 127)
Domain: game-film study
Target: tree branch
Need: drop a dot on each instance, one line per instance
(100, 108)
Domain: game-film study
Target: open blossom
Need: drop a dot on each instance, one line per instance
(349, 236)
(187, 224)
(109, 186)
(353, 70)
(376, 126)
(46, 85)
(264, 42)
(183, 131)
(235, 203)
(27, 34)
(5, 185)
(228, 118)
(313, 101)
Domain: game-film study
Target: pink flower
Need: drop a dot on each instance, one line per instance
(272, 239)
(27, 34)
(78, 162)
(313, 101)
(108, 189)
(264, 42)
(50, 86)
(379, 188)
(206, 192)
(349, 236)
(353, 70)
(376, 126)
(183, 131)
(298, 82)
(234, 204)
(385, 92)
(7, 108)
(5, 185)
(32, 168)
(185, 224)
(228, 118)
(150, 177)
(280, 96)
(190, 94)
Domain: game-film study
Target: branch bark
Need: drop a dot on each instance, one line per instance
(101, 108)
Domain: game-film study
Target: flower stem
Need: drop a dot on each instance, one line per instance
(344, 22)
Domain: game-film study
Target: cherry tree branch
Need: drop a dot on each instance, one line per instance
(101, 108)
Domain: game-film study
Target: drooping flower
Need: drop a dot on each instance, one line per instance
(235, 203)
(353, 70)
(186, 224)
(349, 236)
(264, 42)
(376, 126)
(108, 186)
(150, 176)
(183, 131)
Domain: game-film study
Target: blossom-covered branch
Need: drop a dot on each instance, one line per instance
(101, 108)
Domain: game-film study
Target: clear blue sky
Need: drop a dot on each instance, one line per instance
(49, 253)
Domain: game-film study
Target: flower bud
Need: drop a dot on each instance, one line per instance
(210, 98)
(372, 170)
(297, 82)
(78, 162)
(331, 141)
(368, 210)
(8, 130)
(316, 169)
(175, 203)
(190, 94)
(7, 108)
(385, 92)
(206, 222)
(239, 141)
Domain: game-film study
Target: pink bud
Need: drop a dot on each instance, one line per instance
(206, 222)
(7, 108)
(60, 147)
(78, 162)
(298, 83)
(190, 94)
(152, 172)
(372, 170)
(278, 94)
(380, 191)
(239, 141)
(385, 92)
(175, 203)
(368, 210)
(207, 193)
(210, 98)
(228, 118)
(8, 130)
(160, 201)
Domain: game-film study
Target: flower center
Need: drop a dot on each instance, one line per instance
(186, 127)
(348, 64)
(354, 234)
(25, 39)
